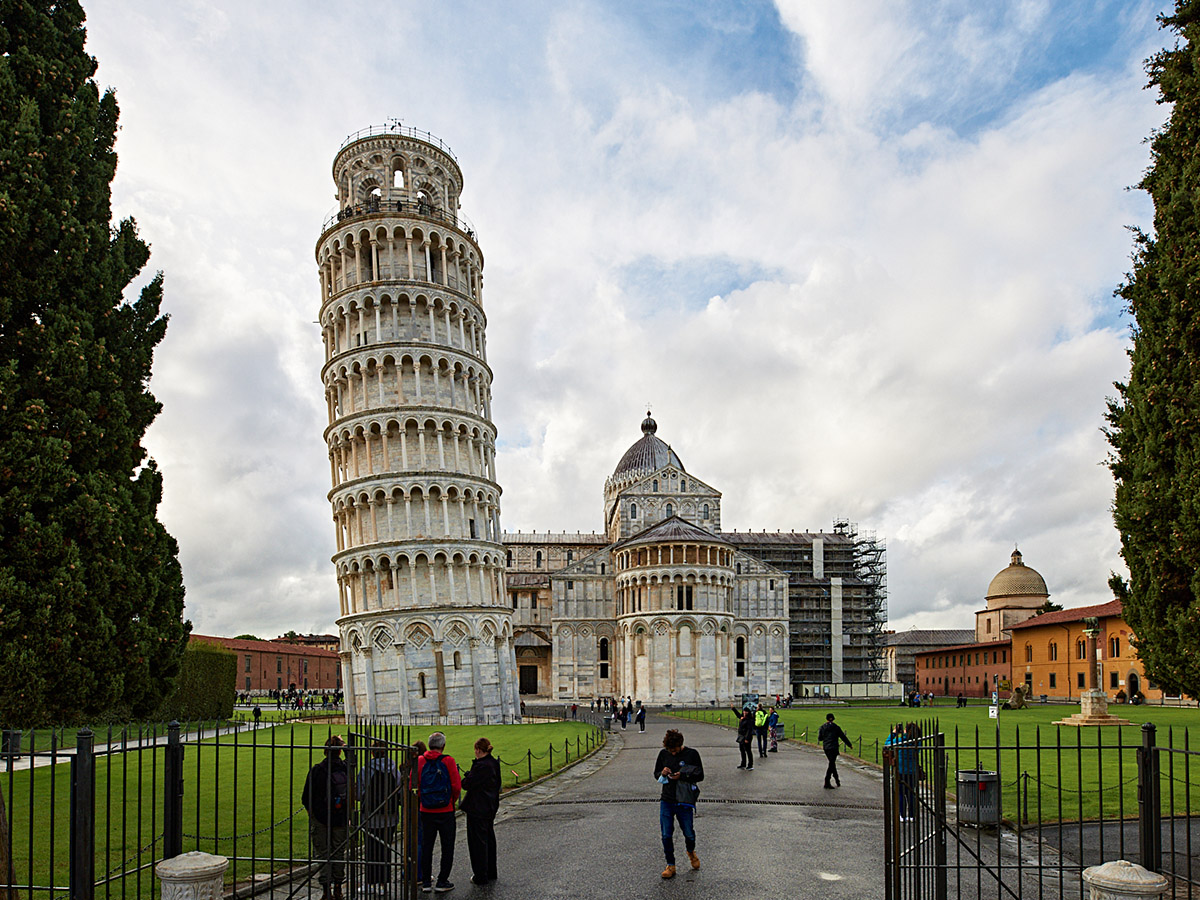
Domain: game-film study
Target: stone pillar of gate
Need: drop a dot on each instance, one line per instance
(1122, 880)
(192, 876)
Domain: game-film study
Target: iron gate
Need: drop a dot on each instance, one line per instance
(1064, 800)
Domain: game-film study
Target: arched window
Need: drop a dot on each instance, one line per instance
(539, 559)
(704, 511)
(633, 510)
(397, 176)
(509, 559)
(1080, 650)
(1114, 647)
(670, 510)
(1053, 650)
(457, 659)
(604, 649)
(1029, 653)
(570, 555)
(655, 488)
(740, 657)
(421, 683)
(683, 485)
(601, 568)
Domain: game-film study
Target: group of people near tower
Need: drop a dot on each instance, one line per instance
(756, 721)
(329, 796)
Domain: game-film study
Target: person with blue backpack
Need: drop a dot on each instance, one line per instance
(438, 787)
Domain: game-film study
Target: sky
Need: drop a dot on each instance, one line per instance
(859, 258)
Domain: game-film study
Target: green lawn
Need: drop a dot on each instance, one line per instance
(1078, 773)
(264, 769)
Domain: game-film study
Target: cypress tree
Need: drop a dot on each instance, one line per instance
(91, 592)
(1154, 424)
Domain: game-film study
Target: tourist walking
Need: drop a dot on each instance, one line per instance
(482, 785)
(829, 735)
(745, 735)
(438, 788)
(326, 797)
(379, 790)
(679, 770)
(773, 728)
(640, 718)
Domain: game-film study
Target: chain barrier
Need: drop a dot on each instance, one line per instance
(239, 837)
(120, 867)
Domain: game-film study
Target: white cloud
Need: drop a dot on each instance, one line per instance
(868, 299)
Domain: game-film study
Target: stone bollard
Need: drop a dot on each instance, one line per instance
(1122, 880)
(192, 876)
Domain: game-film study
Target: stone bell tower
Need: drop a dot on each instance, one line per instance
(426, 630)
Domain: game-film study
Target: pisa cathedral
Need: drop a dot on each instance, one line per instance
(443, 614)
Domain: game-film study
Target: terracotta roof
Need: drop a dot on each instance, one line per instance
(752, 538)
(938, 637)
(1078, 614)
(564, 537)
(672, 529)
(276, 647)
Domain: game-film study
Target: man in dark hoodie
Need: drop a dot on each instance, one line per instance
(326, 796)
(677, 767)
(829, 735)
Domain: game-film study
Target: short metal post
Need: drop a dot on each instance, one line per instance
(173, 794)
(83, 818)
(1149, 810)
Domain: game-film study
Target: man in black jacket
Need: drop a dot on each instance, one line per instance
(326, 796)
(678, 769)
(829, 735)
(482, 802)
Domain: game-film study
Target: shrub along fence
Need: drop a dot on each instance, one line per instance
(90, 816)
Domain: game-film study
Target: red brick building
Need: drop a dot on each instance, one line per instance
(974, 669)
(268, 665)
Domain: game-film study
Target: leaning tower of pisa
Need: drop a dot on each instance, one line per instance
(425, 628)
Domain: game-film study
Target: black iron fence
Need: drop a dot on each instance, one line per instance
(88, 815)
(972, 815)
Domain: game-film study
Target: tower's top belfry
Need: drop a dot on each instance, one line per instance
(392, 168)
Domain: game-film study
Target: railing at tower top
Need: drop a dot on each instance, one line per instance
(394, 127)
(374, 206)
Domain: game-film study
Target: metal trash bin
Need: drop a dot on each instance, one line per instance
(608, 723)
(978, 797)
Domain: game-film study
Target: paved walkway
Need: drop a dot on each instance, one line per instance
(773, 831)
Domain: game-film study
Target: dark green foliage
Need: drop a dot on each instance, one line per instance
(246, 637)
(1154, 425)
(205, 687)
(91, 593)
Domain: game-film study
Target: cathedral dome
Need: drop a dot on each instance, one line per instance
(648, 454)
(1017, 580)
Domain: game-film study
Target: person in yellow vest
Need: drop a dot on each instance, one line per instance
(760, 729)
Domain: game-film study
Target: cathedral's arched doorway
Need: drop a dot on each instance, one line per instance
(1134, 683)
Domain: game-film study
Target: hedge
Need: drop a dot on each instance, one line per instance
(205, 687)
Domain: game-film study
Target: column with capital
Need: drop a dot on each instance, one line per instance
(349, 703)
(476, 678)
(402, 678)
(369, 678)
